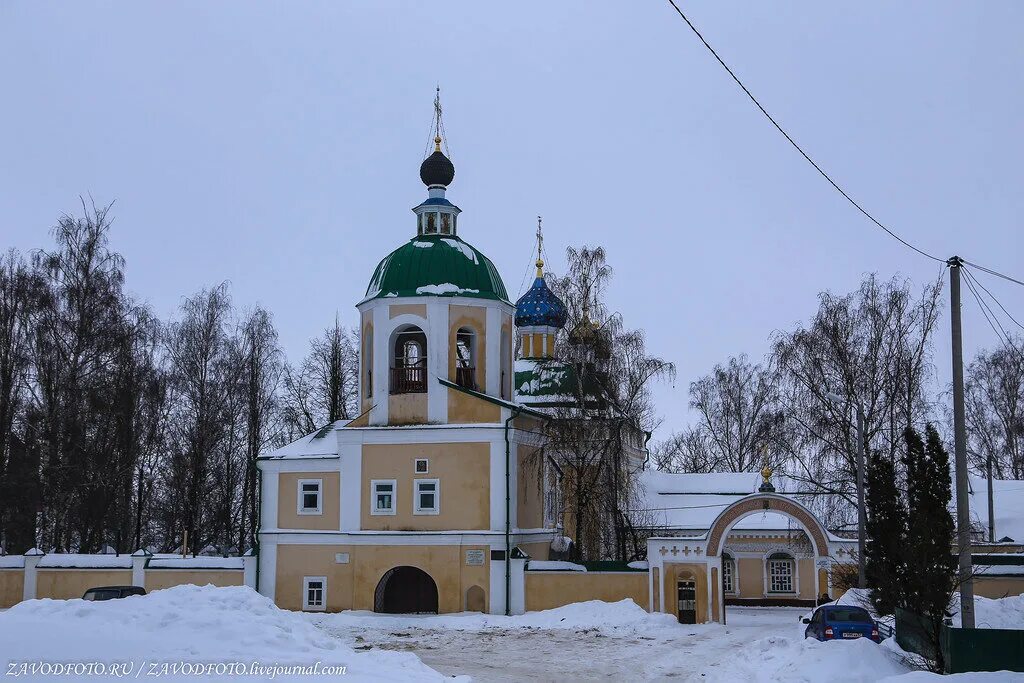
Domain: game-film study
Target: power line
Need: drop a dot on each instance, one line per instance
(993, 297)
(793, 142)
(993, 322)
(994, 272)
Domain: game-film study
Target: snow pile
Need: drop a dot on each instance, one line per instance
(993, 613)
(783, 658)
(197, 625)
(622, 617)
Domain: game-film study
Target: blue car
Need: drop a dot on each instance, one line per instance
(841, 622)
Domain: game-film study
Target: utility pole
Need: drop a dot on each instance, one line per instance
(963, 510)
(991, 502)
(862, 513)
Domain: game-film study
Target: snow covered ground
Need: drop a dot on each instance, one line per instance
(186, 627)
(582, 642)
(620, 641)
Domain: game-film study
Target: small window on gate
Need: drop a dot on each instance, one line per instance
(314, 593)
(310, 496)
(421, 465)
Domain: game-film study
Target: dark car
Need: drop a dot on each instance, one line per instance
(841, 622)
(112, 592)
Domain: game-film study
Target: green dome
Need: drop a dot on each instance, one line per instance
(436, 265)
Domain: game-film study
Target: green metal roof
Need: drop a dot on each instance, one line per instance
(550, 382)
(436, 265)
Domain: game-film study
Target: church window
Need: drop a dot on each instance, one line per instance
(314, 593)
(465, 358)
(781, 573)
(728, 574)
(309, 496)
(382, 499)
(431, 224)
(426, 497)
(409, 366)
(446, 224)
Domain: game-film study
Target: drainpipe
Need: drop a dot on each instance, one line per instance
(508, 512)
(259, 522)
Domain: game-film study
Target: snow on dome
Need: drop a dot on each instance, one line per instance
(432, 265)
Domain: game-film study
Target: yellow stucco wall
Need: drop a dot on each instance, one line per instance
(530, 507)
(678, 570)
(805, 571)
(508, 361)
(63, 584)
(464, 408)
(407, 409)
(998, 586)
(352, 585)
(12, 586)
(751, 573)
(287, 500)
(395, 310)
(464, 473)
(546, 590)
(157, 579)
(536, 551)
(473, 318)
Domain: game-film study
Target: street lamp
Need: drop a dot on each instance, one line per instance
(861, 511)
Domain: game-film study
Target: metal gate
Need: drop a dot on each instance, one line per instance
(687, 601)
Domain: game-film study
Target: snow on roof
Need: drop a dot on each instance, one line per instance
(1008, 503)
(693, 501)
(318, 444)
(80, 561)
(195, 563)
(12, 561)
(554, 566)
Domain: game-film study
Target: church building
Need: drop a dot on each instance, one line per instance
(430, 499)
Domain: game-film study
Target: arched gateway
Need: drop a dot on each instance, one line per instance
(692, 576)
(406, 590)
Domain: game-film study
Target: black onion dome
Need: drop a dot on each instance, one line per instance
(540, 307)
(437, 169)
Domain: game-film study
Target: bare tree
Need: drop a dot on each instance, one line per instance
(599, 436)
(995, 410)
(872, 347)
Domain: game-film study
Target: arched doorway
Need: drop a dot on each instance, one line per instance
(406, 590)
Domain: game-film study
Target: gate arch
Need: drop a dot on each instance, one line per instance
(405, 590)
(762, 502)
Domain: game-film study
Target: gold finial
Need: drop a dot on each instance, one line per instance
(766, 473)
(540, 246)
(437, 143)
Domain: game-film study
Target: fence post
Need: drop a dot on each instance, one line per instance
(140, 558)
(32, 558)
(249, 568)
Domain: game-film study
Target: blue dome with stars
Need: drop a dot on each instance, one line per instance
(540, 307)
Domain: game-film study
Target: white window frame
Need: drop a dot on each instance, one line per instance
(436, 510)
(373, 496)
(300, 498)
(426, 466)
(734, 578)
(791, 561)
(306, 606)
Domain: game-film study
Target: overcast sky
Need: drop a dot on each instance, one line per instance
(276, 146)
